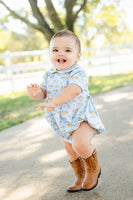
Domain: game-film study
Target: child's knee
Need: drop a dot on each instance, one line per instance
(80, 145)
(77, 145)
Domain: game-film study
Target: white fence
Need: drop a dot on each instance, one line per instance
(103, 61)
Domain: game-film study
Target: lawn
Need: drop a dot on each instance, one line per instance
(102, 84)
(17, 107)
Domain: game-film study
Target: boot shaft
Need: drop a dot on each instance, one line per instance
(93, 171)
(78, 167)
(91, 163)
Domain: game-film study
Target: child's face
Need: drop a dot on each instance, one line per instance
(64, 52)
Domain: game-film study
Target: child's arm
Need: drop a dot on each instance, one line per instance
(35, 92)
(65, 96)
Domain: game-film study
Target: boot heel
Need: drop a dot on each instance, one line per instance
(99, 173)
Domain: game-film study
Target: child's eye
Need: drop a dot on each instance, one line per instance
(55, 50)
(68, 50)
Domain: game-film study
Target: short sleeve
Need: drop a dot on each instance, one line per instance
(80, 78)
(44, 82)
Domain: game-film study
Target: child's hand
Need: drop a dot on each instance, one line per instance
(33, 90)
(50, 106)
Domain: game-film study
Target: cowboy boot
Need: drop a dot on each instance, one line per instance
(78, 168)
(93, 172)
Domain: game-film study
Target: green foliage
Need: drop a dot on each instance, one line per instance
(4, 38)
(12, 41)
(109, 15)
(105, 19)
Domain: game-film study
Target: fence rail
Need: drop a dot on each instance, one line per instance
(101, 61)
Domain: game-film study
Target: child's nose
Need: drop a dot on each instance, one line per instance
(61, 53)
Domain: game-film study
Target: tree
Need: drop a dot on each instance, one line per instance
(88, 18)
(103, 20)
(51, 23)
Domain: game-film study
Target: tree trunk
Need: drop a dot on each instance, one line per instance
(71, 16)
(45, 29)
(53, 16)
(42, 25)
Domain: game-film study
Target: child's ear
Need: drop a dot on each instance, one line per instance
(79, 55)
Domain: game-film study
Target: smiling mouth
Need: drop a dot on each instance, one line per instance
(61, 60)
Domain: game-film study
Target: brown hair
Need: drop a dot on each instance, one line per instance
(68, 33)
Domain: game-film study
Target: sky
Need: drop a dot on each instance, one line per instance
(126, 5)
(17, 4)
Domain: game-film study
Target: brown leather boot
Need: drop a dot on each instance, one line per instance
(79, 170)
(93, 172)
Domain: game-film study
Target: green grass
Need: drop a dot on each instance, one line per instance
(100, 84)
(17, 107)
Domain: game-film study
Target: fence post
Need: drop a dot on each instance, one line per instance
(8, 63)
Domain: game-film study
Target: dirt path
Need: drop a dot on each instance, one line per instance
(34, 165)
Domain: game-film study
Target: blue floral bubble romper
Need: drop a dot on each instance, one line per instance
(66, 118)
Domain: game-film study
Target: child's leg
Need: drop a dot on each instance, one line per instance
(71, 153)
(81, 143)
(81, 140)
(78, 168)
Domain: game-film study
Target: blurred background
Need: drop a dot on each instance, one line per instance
(104, 27)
